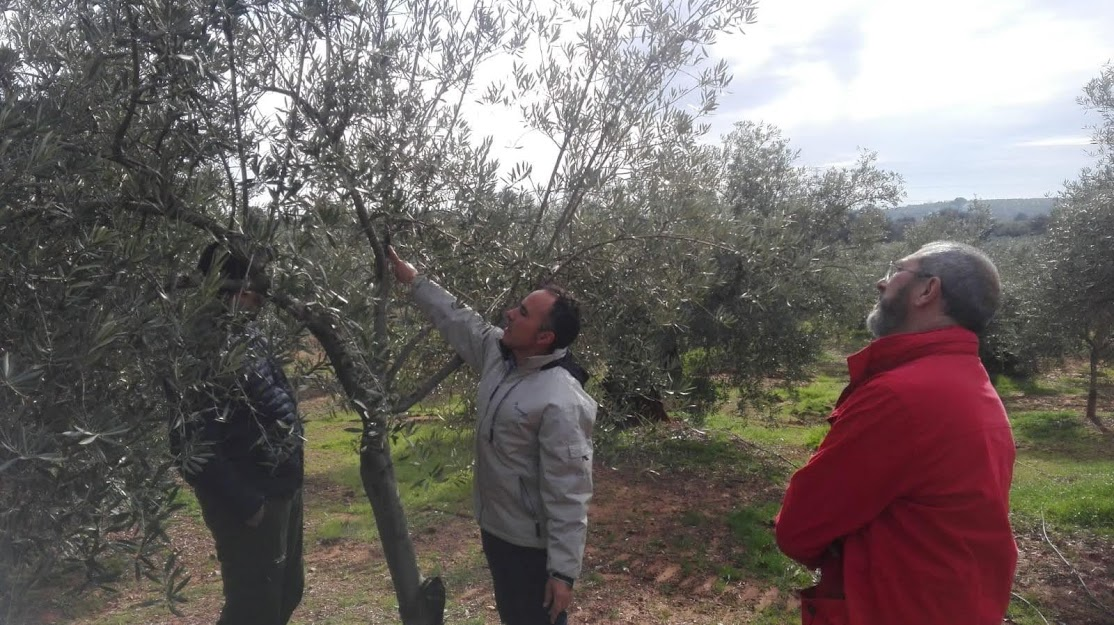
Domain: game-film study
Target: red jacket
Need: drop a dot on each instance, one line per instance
(905, 505)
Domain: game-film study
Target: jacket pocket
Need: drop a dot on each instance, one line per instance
(822, 610)
(581, 451)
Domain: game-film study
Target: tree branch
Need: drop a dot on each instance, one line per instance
(577, 254)
(446, 370)
(172, 209)
(1031, 606)
(324, 330)
(405, 352)
(233, 68)
(1044, 533)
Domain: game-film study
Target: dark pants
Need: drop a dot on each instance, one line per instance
(519, 576)
(261, 566)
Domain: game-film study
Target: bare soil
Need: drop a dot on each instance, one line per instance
(658, 544)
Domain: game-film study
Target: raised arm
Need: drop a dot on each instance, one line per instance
(464, 329)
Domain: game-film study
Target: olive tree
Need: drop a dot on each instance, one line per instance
(306, 134)
(805, 243)
(1078, 254)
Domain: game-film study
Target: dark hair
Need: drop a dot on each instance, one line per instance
(564, 316)
(228, 266)
(231, 266)
(969, 282)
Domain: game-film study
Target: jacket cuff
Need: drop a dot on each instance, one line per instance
(564, 578)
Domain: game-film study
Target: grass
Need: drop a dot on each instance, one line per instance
(1064, 472)
(432, 465)
(1025, 612)
(756, 552)
(1036, 387)
(796, 423)
(662, 451)
(818, 397)
(1067, 494)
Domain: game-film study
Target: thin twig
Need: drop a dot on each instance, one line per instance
(1031, 606)
(738, 439)
(1044, 533)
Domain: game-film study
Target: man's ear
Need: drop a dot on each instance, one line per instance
(546, 338)
(930, 292)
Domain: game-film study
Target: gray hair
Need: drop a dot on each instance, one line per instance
(969, 281)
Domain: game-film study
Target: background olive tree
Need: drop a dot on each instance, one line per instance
(808, 261)
(1077, 281)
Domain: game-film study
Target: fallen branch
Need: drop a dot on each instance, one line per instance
(1044, 533)
(738, 439)
(1031, 607)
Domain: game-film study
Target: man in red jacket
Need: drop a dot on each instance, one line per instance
(904, 508)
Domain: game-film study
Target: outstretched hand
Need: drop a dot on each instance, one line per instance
(404, 271)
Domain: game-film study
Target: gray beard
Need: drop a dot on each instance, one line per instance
(886, 317)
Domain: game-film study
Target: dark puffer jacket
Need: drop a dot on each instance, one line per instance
(242, 443)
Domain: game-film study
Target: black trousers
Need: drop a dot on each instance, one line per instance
(519, 575)
(261, 566)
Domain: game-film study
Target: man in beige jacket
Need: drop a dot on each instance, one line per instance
(533, 443)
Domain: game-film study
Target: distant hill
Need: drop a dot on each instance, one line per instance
(1002, 210)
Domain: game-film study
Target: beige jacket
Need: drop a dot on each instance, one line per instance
(533, 443)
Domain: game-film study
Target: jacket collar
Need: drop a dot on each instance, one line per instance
(890, 352)
(532, 363)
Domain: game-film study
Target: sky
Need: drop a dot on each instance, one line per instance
(963, 98)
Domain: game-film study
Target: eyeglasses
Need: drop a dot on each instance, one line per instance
(895, 269)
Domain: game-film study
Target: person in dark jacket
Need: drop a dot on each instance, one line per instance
(239, 446)
(904, 508)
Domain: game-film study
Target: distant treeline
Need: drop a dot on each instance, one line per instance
(1013, 217)
(1001, 210)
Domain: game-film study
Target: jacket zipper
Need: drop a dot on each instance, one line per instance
(495, 410)
(524, 494)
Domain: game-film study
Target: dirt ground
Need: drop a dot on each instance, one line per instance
(639, 565)
(654, 556)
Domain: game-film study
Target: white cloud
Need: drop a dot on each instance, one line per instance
(949, 58)
(845, 163)
(1055, 142)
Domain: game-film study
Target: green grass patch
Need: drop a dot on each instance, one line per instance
(815, 399)
(667, 450)
(432, 465)
(776, 614)
(188, 500)
(755, 552)
(1047, 434)
(1027, 612)
(1068, 493)
(1036, 387)
(795, 425)
(1064, 471)
(788, 436)
(446, 406)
